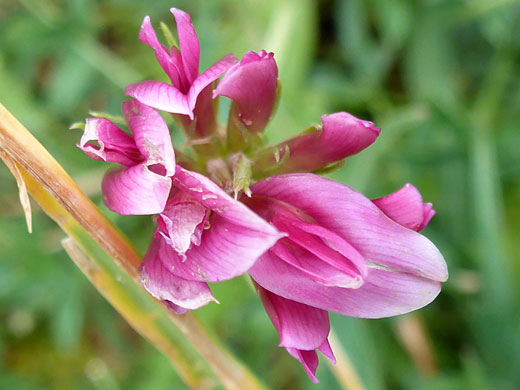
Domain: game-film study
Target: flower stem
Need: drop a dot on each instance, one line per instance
(111, 264)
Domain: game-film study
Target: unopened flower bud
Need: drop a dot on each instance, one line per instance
(340, 136)
(251, 84)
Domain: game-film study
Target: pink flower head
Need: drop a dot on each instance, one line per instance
(342, 135)
(203, 235)
(251, 84)
(342, 252)
(189, 92)
(142, 184)
(311, 245)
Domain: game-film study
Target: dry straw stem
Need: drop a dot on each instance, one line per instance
(94, 240)
(413, 335)
(343, 370)
(22, 189)
(25, 150)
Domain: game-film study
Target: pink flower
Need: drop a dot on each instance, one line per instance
(190, 93)
(142, 184)
(203, 235)
(341, 136)
(251, 84)
(311, 245)
(343, 252)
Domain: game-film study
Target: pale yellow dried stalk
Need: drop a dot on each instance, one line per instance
(48, 183)
(22, 188)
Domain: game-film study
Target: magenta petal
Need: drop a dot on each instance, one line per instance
(205, 113)
(341, 136)
(252, 84)
(148, 37)
(176, 308)
(323, 255)
(299, 326)
(344, 135)
(314, 267)
(234, 240)
(135, 190)
(338, 208)
(428, 213)
(160, 96)
(181, 223)
(309, 361)
(213, 197)
(180, 294)
(189, 43)
(226, 251)
(326, 350)
(384, 293)
(331, 249)
(182, 82)
(206, 78)
(405, 206)
(336, 243)
(114, 144)
(151, 135)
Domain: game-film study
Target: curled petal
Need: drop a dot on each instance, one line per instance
(160, 96)
(345, 135)
(226, 251)
(341, 136)
(213, 197)
(309, 361)
(114, 144)
(314, 267)
(151, 135)
(331, 249)
(299, 326)
(323, 255)
(204, 112)
(385, 293)
(405, 206)
(207, 77)
(338, 208)
(326, 350)
(176, 308)
(189, 43)
(135, 190)
(179, 294)
(428, 213)
(148, 37)
(181, 223)
(232, 242)
(252, 84)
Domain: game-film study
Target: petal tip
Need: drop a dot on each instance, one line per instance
(129, 90)
(146, 20)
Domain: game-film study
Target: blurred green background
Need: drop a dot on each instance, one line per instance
(440, 77)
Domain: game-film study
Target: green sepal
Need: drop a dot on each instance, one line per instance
(172, 42)
(242, 173)
(330, 168)
(77, 126)
(114, 118)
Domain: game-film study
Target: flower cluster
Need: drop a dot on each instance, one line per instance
(228, 205)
